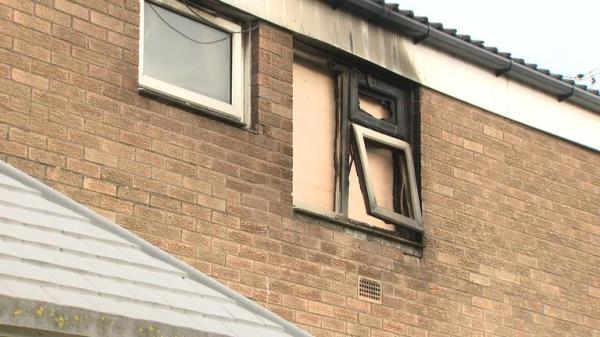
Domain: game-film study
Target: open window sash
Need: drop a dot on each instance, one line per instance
(407, 210)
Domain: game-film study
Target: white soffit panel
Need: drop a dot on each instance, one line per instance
(430, 67)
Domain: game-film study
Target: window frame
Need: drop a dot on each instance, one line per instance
(375, 81)
(236, 110)
(362, 84)
(361, 133)
(400, 130)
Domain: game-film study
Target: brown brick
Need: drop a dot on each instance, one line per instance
(4, 71)
(101, 129)
(69, 63)
(89, 56)
(308, 319)
(337, 325)
(104, 48)
(181, 194)
(181, 168)
(100, 157)
(70, 35)
(89, 29)
(15, 60)
(102, 102)
(196, 211)
(135, 140)
(46, 157)
(99, 186)
(52, 15)
(134, 195)
(27, 137)
(120, 150)
(49, 71)
(122, 41)
(32, 50)
(165, 203)
(86, 83)
(116, 176)
(72, 8)
(65, 177)
(83, 167)
(138, 169)
(13, 148)
(107, 21)
(14, 89)
(167, 149)
(30, 167)
(66, 148)
(116, 204)
(6, 42)
(31, 22)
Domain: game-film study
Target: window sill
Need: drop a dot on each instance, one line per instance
(194, 108)
(415, 248)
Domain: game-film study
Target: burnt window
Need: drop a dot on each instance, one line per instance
(356, 148)
(378, 148)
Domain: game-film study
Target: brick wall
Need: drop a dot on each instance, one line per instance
(511, 214)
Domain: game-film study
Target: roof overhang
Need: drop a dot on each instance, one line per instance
(473, 53)
(387, 40)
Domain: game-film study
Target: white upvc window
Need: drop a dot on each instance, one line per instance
(194, 57)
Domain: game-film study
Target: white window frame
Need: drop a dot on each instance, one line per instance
(373, 208)
(236, 111)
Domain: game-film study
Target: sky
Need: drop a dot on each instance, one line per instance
(563, 36)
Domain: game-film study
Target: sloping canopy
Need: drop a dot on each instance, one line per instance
(64, 268)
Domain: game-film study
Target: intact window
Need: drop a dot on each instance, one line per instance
(193, 57)
(364, 168)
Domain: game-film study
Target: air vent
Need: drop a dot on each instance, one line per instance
(369, 289)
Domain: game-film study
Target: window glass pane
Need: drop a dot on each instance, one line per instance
(175, 59)
(314, 137)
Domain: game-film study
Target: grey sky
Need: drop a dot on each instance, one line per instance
(563, 36)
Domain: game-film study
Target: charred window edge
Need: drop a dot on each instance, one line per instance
(407, 169)
(411, 247)
(404, 124)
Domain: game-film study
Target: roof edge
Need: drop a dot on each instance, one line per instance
(563, 91)
(146, 247)
(30, 318)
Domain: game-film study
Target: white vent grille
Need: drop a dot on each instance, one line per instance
(369, 289)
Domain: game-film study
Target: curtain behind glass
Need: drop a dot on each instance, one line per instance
(172, 58)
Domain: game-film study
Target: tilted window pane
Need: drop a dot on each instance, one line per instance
(171, 57)
(373, 151)
(356, 204)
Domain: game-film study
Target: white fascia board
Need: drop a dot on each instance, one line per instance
(430, 67)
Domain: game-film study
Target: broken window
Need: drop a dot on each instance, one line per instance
(387, 178)
(356, 148)
(376, 125)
